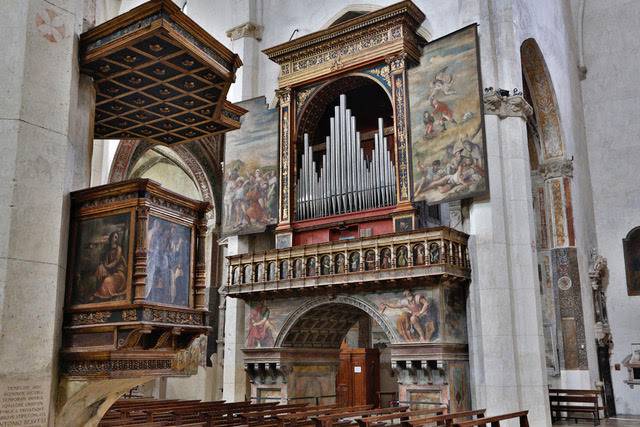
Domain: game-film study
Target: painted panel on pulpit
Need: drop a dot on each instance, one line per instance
(169, 262)
(101, 256)
(447, 128)
(251, 171)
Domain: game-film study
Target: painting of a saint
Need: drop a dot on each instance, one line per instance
(261, 330)
(102, 260)
(339, 264)
(418, 319)
(168, 262)
(448, 142)
(385, 258)
(250, 199)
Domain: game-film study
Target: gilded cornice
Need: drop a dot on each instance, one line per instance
(351, 44)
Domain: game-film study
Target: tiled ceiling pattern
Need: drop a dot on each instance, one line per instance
(155, 86)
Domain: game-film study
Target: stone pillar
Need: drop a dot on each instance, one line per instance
(46, 128)
(245, 39)
(234, 377)
(506, 338)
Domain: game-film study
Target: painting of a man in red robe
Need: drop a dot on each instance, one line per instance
(261, 330)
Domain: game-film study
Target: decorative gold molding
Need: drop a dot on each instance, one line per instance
(372, 36)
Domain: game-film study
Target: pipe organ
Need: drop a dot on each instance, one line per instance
(348, 179)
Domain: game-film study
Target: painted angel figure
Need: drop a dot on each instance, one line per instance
(442, 81)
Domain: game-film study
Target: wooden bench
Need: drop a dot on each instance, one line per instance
(304, 417)
(494, 421)
(402, 416)
(445, 419)
(574, 403)
(333, 419)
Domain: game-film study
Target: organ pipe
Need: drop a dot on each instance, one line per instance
(346, 180)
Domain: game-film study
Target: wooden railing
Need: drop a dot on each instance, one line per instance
(428, 252)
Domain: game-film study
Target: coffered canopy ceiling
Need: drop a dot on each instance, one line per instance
(159, 77)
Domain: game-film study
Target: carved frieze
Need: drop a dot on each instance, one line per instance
(506, 105)
(168, 316)
(357, 41)
(107, 367)
(90, 318)
(246, 30)
(557, 168)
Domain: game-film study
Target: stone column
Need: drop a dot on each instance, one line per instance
(245, 41)
(506, 338)
(234, 377)
(45, 132)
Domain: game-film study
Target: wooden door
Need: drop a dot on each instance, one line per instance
(358, 379)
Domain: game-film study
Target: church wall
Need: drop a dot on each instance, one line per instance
(549, 23)
(46, 116)
(611, 91)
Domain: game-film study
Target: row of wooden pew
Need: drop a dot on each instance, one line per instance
(191, 413)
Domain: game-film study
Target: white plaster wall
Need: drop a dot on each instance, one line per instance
(611, 91)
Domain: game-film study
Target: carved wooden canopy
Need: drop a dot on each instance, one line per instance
(350, 44)
(159, 76)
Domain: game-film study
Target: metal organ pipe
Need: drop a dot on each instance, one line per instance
(346, 181)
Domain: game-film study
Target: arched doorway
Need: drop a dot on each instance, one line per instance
(329, 350)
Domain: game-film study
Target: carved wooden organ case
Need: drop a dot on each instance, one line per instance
(135, 293)
(373, 50)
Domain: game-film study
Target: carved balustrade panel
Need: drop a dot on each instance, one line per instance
(431, 252)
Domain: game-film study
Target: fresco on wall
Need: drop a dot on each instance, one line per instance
(262, 330)
(415, 314)
(251, 171)
(447, 133)
(102, 255)
(169, 261)
(455, 313)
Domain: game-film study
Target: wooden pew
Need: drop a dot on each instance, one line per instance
(270, 413)
(330, 420)
(494, 421)
(574, 402)
(445, 419)
(402, 416)
(304, 417)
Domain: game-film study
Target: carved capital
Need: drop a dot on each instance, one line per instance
(557, 168)
(397, 62)
(248, 29)
(506, 105)
(284, 95)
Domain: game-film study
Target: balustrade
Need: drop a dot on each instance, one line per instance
(434, 251)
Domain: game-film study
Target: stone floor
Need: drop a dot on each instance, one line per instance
(621, 421)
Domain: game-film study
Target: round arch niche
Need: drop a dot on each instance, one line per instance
(324, 322)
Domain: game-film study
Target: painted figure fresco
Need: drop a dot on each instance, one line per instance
(419, 316)
(418, 255)
(251, 171)
(448, 144)
(261, 331)
(169, 262)
(455, 313)
(102, 253)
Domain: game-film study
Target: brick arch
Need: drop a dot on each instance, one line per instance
(344, 311)
(543, 97)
